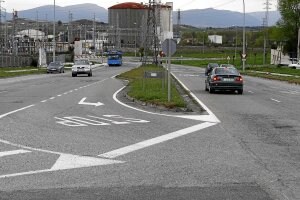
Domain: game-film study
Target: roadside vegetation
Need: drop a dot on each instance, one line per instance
(6, 72)
(151, 90)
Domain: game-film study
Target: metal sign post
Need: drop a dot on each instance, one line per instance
(169, 47)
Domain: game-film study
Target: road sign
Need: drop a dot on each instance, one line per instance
(244, 59)
(244, 55)
(165, 46)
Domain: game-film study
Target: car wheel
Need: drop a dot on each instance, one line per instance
(74, 75)
(211, 90)
(206, 89)
(240, 91)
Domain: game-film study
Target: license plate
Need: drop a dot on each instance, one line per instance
(228, 79)
(80, 70)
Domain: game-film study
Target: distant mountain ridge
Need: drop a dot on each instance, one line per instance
(196, 17)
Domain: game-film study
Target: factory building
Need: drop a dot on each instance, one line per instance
(130, 23)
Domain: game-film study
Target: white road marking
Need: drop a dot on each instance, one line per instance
(65, 161)
(276, 100)
(52, 98)
(44, 101)
(154, 141)
(14, 152)
(290, 92)
(251, 92)
(207, 118)
(12, 112)
(83, 102)
(3, 92)
(69, 161)
(59, 95)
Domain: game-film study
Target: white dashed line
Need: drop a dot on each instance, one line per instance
(44, 101)
(59, 95)
(251, 92)
(276, 100)
(52, 98)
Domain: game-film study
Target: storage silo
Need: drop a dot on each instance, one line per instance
(125, 21)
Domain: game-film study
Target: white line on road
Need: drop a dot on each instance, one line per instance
(276, 100)
(14, 152)
(52, 98)
(3, 92)
(251, 92)
(44, 101)
(12, 112)
(157, 140)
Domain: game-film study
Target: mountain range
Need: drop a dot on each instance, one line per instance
(196, 17)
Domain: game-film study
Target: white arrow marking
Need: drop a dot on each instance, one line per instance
(90, 104)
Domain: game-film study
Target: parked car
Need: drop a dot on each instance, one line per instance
(55, 67)
(295, 65)
(210, 67)
(82, 66)
(224, 79)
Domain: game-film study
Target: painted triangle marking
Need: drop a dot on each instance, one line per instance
(69, 161)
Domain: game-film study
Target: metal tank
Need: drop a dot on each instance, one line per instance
(126, 21)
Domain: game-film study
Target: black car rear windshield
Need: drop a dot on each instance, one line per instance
(226, 71)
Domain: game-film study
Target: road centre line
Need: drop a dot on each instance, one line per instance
(12, 112)
(14, 152)
(44, 101)
(276, 100)
(251, 92)
(156, 140)
(52, 98)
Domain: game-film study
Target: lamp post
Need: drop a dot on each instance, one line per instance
(244, 38)
(135, 39)
(235, 41)
(54, 43)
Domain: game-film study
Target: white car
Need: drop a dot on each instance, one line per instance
(295, 65)
(81, 67)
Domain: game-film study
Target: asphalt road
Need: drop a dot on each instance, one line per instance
(64, 137)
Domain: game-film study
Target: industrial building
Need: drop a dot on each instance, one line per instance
(134, 24)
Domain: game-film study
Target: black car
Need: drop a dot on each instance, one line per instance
(210, 67)
(224, 79)
(56, 67)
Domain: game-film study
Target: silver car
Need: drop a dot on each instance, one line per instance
(57, 67)
(81, 67)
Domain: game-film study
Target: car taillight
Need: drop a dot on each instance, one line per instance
(239, 79)
(216, 78)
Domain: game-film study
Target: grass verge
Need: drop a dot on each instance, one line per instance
(6, 72)
(152, 90)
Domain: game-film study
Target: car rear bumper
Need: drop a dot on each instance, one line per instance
(217, 86)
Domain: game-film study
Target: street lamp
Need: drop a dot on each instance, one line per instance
(54, 44)
(135, 39)
(244, 38)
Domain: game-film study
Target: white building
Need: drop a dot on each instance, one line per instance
(215, 39)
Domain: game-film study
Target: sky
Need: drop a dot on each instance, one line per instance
(233, 5)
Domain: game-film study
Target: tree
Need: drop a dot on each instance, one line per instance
(290, 22)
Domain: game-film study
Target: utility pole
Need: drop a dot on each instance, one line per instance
(1, 43)
(265, 25)
(94, 31)
(151, 39)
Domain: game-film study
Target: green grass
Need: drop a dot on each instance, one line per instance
(6, 72)
(151, 90)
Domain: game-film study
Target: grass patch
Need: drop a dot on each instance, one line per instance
(151, 90)
(273, 77)
(6, 72)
